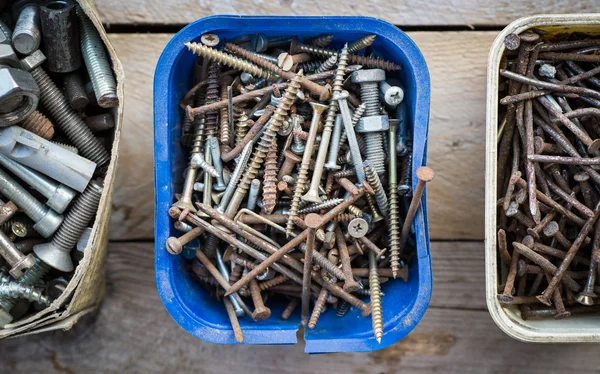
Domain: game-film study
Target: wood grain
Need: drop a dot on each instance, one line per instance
(457, 64)
(132, 332)
(433, 12)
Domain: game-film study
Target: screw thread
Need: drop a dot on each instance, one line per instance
(329, 266)
(325, 205)
(275, 281)
(209, 281)
(198, 136)
(344, 173)
(372, 205)
(23, 199)
(270, 181)
(354, 59)
(270, 135)
(15, 290)
(199, 162)
(358, 113)
(329, 183)
(289, 179)
(298, 190)
(77, 220)
(28, 24)
(75, 91)
(241, 128)
(369, 95)
(68, 121)
(255, 58)
(229, 60)
(344, 217)
(405, 185)
(212, 96)
(342, 308)
(224, 123)
(375, 182)
(394, 229)
(310, 66)
(328, 65)
(68, 147)
(354, 210)
(210, 248)
(236, 273)
(375, 290)
(96, 61)
(320, 40)
(38, 124)
(29, 278)
(374, 148)
(318, 309)
(299, 135)
(361, 43)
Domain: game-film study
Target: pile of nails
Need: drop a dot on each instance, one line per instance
(54, 133)
(298, 187)
(548, 180)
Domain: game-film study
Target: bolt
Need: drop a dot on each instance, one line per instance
(27, 35)
(318, 110)
(76, 94)
(352, 142)
(59, 196)
(424, 174)
(57, 253)
(46, 220)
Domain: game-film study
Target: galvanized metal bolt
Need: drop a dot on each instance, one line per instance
(27, 35)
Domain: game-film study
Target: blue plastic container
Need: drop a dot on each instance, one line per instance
(186, 300)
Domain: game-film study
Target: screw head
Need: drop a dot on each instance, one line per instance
(54, 256)
(358, 227)
(210, 39)
(174, 246)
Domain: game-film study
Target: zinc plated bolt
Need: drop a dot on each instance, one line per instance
(96, 61)
(46, 220)
(215, 150)
(27, 35)
(57, 253)
(59, 196)
(65, 117)
(352, 142)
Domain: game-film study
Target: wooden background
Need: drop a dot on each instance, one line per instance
(133, 332)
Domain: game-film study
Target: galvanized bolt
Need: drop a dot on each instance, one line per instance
(27, 35)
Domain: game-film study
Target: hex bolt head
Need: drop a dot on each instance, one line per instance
(368, 76)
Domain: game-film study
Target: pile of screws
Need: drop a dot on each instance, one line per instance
(54, 131)
(548, 180)
(307, 203)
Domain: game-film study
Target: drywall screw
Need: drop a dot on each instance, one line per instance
(297, 47)
(394, 213)
(253, 194)
(46, 220)
(27, 35)
(17, 261)
(213, 144)
(313, 221)
(354, 210)
(330, 118)
(265, 143)
(75, 91)
(361, 43)
(229, 60)
(57, 253)
(270, 181)
(96, 61)
(67, 119)
(424, 174)
(375, 182)
(303, 172)
(374, 287)
(261, 312)
(289, 309)
(350, 284)
(38, 124)
(59, 196)
(369, 80)
(392, 95)
(320, 40)
(239, 312)
(352, 142)
(358, 227)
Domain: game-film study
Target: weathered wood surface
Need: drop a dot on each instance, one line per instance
(132, 332)
(413, 13)
(457, 64)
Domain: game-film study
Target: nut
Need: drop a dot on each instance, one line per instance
(19, 95)
(32, 61)
(369, 75)
(8, 57)
(373, 124)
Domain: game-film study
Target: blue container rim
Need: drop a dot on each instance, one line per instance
(166, 291)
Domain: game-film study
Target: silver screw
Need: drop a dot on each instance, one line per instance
(46, 220)
(57, 253)
(67, 119)
(59, 196)
(334, 147)
(392, 95)
(96, 61)
(352, 142)
(358, 227)
(27, 35)
(213, 144)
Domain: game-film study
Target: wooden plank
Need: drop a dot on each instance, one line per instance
(457, 64)
(433, 12)
(132, 332)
